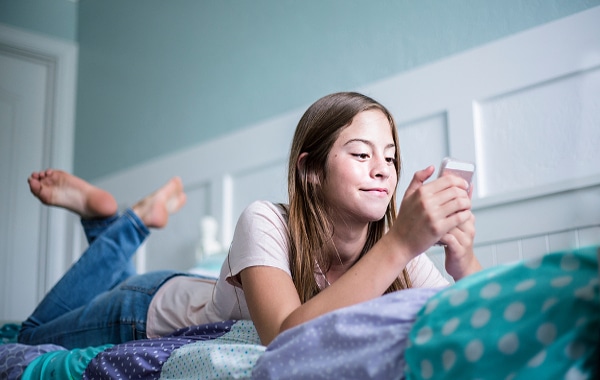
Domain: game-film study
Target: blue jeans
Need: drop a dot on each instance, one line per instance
(100, 299)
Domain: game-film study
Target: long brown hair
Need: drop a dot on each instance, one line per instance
(310, 226)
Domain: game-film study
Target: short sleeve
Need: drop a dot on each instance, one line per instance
(260, 239)
(424, 274)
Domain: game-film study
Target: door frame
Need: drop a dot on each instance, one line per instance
(60, 57)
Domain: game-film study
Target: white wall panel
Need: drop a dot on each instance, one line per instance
(263, 183)
(563, 240)
(422, 142)
(508, 252)
(535, 246)
(539, 135)
(486, 256)
(522, 248)
(588, 236)
(175, 247)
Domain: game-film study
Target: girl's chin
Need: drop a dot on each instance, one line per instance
(374, 217)
(377, 219)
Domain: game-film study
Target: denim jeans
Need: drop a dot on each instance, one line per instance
(100, 299)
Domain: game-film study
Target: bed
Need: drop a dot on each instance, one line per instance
(538, 318)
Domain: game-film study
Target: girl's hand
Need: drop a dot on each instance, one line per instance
(460, 258)
(458, 245)
(429, 211)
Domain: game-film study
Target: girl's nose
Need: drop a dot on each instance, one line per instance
(381, 168)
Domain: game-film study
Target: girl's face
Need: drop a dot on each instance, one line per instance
(361, 176)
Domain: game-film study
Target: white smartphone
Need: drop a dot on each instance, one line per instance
(462, 169)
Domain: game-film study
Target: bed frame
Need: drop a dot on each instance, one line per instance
(525, 109)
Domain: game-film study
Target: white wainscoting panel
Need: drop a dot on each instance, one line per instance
(528, 247)
(588, 236)
(433, 130)
(539, 135)
(262, 183)
(176, 246)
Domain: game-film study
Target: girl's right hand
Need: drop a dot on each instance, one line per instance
(429, 211)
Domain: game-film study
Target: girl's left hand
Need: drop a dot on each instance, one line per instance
(458, 244)
(460, 258)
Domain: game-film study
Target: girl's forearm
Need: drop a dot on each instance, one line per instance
(369, 278)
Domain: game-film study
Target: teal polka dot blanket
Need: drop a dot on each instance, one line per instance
(537, 319)
(534, 320)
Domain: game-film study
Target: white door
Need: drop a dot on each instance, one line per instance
(32, 103)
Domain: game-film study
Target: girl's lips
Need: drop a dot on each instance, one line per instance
(377, 190)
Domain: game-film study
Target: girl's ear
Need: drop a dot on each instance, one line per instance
(301, 166)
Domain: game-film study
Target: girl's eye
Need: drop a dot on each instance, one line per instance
(362, 156)
(390, 160)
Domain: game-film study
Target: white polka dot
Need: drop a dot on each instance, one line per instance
(431, 305)
(474, 350)
(450, 326)
(509, 343)
(546, 333)
(537, 360)
(569, 263)
(586, 293)
(490, 290)
(448, 359)
(458, 296)
(549, 303)
(561, 282)
(426, 369)
(514, 311)
(424, 335)
(575, 374)
(533, 263)
(575, 350)
(480, 318)
(525, 285)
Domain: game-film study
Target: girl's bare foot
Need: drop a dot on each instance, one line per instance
(154, 210)
(61, 189)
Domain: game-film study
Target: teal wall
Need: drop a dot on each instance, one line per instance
(56, 18)
(158, 76)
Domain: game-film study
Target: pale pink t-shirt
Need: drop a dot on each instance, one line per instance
(260, 239)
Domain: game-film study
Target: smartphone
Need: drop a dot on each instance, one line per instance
(462, 169)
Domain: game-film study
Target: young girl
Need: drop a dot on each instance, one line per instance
(337, 243)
